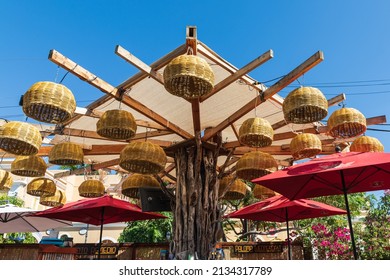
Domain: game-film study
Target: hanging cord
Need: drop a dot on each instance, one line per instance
(190, 51)
(66, 74)
(2, 158)
(57, 72)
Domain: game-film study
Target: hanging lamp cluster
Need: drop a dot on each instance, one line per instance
(305, 105)
(254, 165)
(56, 200)
(20, 138)
(132, 184)
(188, 76)
(49, 102)
(346, 123)
(366, 144)
(41, 186)
(91, 188)
(256, 132)
(260, 192)
(305, 145)
(116, 124)
(143, 157)
(231, 188)
(6, 181)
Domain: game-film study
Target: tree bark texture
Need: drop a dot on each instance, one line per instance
(196, 213)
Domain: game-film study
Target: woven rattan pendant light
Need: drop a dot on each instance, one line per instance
(255, 164)
(66, 153)
(91, 188)
(188, 76)
(346, 123)
(143, 157)
(41, 186)
(28, 166)
(236, 189)
(256, 132)
(116, 124)
(20, 138)
(305, 145)
(56, 200)
(6, 181)
(133, 183)
(305, 105)
(49, 102)
(261, 192)
(366, 144)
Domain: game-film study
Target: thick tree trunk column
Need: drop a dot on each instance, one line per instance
(196, 214)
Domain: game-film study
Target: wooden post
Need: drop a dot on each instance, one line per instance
(196, 214)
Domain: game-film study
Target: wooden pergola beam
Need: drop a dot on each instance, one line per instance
(126, 55)
(282, 83)
(213, 56)
(108, 89)
(93, 134)
(239, 73)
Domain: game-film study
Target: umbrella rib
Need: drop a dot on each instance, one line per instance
(302, 187)
(355, 182)
(22, 217)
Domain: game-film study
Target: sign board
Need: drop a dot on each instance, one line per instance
(259, 248)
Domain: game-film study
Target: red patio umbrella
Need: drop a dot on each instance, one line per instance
(99, 211)
(280, 209)
(336, 174)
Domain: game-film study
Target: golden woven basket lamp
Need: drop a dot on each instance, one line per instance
(6, 181)
(188, 76)
(20, 138)
(261, 192)
(133, 183)
(305, 105)
(41, 186)
(56, 200)
(237, 189)
(255, 164)
(346, 123)
(116, 124)
(256, 132)
(91, 188)
(49, 102)
(28, 166)
(366, 144)
(66, 153)
(305, 145)
(143, 157)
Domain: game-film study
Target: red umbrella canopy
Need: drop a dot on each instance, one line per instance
(90, 210)
(274, 209)
(328, 175)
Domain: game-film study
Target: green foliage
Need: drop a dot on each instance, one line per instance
(148, 231)
(25, 237)
(376, 233)
(5, 199)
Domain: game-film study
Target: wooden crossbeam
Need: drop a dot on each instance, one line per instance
(213, 56)
(239, 73)
(155, 66)
(126, 55)
(108, 89)
(277, 150)
(93, 134)
(282, 83)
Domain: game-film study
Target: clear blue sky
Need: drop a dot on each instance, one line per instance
(354, 36)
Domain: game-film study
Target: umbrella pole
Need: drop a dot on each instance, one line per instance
(101, 233)
(349, 216)
(288, 237)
